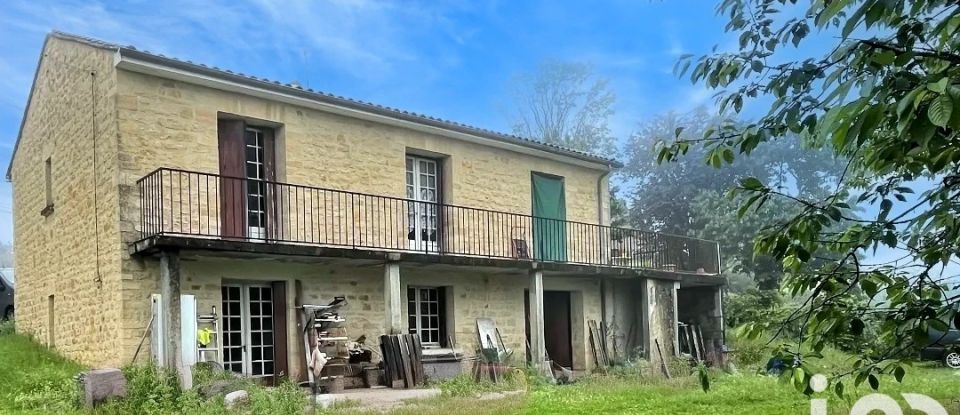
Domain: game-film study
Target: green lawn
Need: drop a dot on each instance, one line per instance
(33, 379)
(28, 370)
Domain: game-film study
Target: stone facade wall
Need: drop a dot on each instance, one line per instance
(165, 123)
(104, 129)
(74, 253)
(625, 320)
(475, 294)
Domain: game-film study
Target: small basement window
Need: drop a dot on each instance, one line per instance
(426, 311)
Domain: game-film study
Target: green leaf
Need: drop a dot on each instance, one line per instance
(838, 389)
(874, 382)
(939, 86)
(798, 376)
(940, 110)
(869, 287)
(751, 183)
(728, 155)
(906, 101)
(898, 374)
(884, 58)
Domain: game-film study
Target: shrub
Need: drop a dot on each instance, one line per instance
(287, 398)
(7, 327)
(150, 390)
(750, 353)
(50, 395)
(464, 385)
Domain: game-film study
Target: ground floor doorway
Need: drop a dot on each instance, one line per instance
(253, 325)
(557, 328)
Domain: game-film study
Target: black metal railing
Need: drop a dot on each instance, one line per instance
(185, 203)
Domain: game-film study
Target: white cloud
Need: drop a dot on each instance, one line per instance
(404, 45)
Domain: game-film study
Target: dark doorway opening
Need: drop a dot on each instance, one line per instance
(557, 332)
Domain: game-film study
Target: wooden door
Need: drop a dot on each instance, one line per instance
(247, 175)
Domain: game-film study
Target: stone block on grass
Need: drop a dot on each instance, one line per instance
(100, 385)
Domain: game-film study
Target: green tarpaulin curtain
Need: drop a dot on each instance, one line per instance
(550, 213)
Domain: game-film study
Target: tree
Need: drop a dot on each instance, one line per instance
(716, 219)
(686, 197)
(566, 104)
(886, 96)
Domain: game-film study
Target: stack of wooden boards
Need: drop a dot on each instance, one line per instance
(598, 343)
(402, 360)
(691, 341)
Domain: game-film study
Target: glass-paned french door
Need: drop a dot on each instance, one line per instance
(248, 329)
(424, 311)
(422, 188)
(255, 164)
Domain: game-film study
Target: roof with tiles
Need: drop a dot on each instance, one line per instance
(337, 99)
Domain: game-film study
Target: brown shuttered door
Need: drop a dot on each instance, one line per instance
(232, 209)
(279, 331)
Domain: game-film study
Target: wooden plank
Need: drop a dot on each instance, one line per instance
(410, 356)
(703, 353)
(418, 349)
(663, 362)
(695, 345)
(593, 343)
(397, 359)
(603, 341)
(405, 361)
(385, 357)
(596, 345)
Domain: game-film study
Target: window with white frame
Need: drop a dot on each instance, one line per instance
(256, 188)
(423, 179)
(426, 315)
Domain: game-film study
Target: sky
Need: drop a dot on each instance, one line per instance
(449, 59)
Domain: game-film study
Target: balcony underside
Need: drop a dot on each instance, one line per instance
(280, 250)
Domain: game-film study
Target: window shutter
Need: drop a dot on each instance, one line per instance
(232, 186)
(280, 369)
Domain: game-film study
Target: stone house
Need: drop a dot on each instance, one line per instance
(137, 174)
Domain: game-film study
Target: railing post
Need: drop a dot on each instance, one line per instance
(160, 215)
(719, 267)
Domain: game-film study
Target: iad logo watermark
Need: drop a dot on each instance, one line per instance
(876, 402)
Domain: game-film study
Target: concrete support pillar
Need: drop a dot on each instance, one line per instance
(646, 318)
(392, 298)
(170, 308)
(538, 349)
(718, 314)
(676, 318)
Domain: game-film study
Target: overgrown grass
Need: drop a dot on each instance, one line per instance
(465, 385)
(36, 380)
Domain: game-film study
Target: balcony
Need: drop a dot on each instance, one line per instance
(202, 206)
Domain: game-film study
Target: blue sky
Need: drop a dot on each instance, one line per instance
(451, 59)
